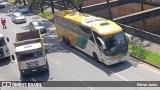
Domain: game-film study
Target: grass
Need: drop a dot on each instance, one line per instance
(11, 1)
(144, 54)
(45, 14)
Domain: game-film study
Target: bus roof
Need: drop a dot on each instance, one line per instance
(100, 25)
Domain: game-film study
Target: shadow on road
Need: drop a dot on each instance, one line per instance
(109, 70)
(38, 77)
(8, 9)
(4, 61)
(53, 44)
(47, 23)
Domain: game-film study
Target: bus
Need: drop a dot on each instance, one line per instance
(100, 38)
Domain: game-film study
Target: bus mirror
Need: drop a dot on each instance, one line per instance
(102, 43)
(128, 37)
(7, 39)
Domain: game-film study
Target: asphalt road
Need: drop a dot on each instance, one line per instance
(69, 64)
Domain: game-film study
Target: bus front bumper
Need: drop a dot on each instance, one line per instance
(115, 61)
(35, 70)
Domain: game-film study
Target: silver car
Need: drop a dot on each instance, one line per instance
(37, 25)
(18, 18)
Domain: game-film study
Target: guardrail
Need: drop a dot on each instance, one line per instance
(141, 33)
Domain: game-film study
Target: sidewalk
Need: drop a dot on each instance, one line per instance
(148, 45)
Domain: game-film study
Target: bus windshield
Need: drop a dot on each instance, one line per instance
(115, 44)
(2, 42)
(29, 56)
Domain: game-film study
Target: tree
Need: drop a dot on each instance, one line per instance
(16, 1)
(19, 1)
(24, 1)
(79, 3)
(41, 5)
(52, 6)
(109, 10)
(70, 2)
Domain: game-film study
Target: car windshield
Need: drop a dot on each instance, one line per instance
(116, 44)
(37, 24)
(2, 42)
(30, 56)
(18, 15)
(22, 7)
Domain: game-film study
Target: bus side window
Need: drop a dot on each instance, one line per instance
(86, 30)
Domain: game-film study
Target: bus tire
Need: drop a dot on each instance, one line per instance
(64, 39)
(68, 43)
(13, 57)
(95, 56)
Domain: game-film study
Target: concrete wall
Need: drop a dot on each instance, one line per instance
(142, 34)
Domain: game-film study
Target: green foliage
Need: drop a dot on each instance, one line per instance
(45, 14)
(144, 54)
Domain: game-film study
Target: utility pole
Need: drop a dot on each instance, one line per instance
(52, 6)
(142, 9)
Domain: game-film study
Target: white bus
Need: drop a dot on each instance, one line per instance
(102, 39)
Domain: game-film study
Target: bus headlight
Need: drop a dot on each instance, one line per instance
(21, 67)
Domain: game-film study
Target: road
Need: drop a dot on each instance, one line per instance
(69, 64)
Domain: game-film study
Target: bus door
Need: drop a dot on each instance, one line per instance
(84, 41)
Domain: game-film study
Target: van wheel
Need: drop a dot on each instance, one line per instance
(95, 56)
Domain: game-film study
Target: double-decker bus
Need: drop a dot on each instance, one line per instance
(102, 39)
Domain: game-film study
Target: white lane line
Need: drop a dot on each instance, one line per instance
(14, 31)
(34, 80)
(148, 68)
(90, 88)
(58, 63)
(151, 69)
(86, 85)
(54, 61)
(120, 76)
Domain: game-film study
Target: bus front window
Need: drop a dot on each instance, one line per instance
(115, 44)
(2, 42)
(29, 56)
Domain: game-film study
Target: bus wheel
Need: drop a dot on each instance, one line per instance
(68, 43)
(64, 39)
(95, 56)
(13, 58)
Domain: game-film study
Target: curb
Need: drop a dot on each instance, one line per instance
(145, 61)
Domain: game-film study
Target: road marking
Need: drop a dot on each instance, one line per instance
(90, 88)
(34, 80)
(14, 31)
(147, 67)
(150, 69)
(120, 76)
(54, 61)
(86, 85)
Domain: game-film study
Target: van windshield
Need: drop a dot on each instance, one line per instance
(2, 42)
(29, 56)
